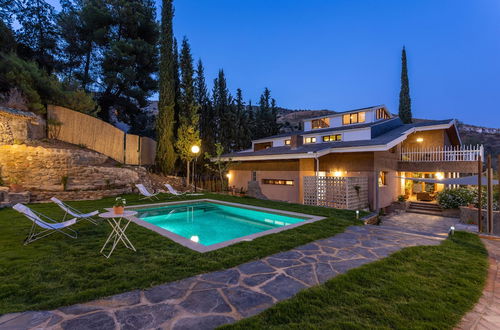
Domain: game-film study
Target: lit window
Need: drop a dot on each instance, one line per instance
(288, 142)
(330, 138)
(320, 123)
(354, 118)
(310, 140)
(382, 177)
(278, 182)
(382, 114)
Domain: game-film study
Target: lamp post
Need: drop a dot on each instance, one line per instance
(195, 150)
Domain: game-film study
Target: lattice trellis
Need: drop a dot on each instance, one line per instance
(338, 192)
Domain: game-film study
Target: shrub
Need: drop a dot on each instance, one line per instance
(454, 198)
(401, 198)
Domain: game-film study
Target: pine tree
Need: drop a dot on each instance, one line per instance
(207, 131)
(242, 132)
(129, 61)
(188, 134)
(222, 111)
(37, 37)
(165, 153)
(404, 95)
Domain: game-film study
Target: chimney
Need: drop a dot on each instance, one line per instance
(296, 141)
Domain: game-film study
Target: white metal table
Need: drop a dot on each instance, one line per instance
(118, 228)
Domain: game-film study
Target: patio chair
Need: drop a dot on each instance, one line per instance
(176, 193)
(48, 225)
(74, 212)
(146, 194)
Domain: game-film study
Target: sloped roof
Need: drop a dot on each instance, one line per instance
(11, 112)
(381, 139)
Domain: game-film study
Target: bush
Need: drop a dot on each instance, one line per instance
(454, 198)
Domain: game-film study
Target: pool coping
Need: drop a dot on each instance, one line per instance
(308, 218)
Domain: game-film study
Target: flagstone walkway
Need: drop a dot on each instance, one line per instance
(486, 313)
(209, 300)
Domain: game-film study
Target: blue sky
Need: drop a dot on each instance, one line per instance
(343, 54)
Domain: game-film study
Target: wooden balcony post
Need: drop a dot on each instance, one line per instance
(490, 195)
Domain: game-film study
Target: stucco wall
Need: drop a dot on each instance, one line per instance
(432, 138)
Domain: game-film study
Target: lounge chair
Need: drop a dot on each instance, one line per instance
(49, 225)
(146, 194)
(176, 193)
(74, 212)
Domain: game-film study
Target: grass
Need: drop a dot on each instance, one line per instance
(58, 271)
(425, 287)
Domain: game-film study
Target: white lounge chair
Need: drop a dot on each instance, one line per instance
(74, 212)
(176, 193)
(48, 226)
(146, 193)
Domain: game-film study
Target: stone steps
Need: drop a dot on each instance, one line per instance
(425, 208)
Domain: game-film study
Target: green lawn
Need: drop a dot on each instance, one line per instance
(57, 270)
(426, 287)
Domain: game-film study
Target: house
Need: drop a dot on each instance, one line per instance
(362, 158)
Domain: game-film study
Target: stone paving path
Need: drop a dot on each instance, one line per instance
(209, 300)
(486, 313)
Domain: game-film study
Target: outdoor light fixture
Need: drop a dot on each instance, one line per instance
(195, 239)
(439, 176)
(337, 173)
(357, 214)
(451, 231)
(228, 175)
(420, 140)
(195, 149)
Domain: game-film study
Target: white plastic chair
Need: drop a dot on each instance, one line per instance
(74, 212)
(146, 193)
(48, 225)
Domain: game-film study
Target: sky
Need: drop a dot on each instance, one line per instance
(346, 54)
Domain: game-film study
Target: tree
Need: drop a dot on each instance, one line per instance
(188, 134)
(205, 110)
(224, 121)
(266, 116)
(84, 26)
(242, 132)
(129, 61)
(404, 94)
(37, 37)
(217, 165)
(165, 153)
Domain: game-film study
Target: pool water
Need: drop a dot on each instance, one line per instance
(211, 223)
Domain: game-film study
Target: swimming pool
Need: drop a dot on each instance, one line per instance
(205, 225)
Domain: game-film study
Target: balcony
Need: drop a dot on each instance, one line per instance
(461, 159)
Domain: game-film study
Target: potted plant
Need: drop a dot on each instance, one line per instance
(15, 185)
(119, 205)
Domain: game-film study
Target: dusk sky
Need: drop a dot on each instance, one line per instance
(346, 54)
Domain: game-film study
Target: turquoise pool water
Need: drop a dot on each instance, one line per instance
(211, 223)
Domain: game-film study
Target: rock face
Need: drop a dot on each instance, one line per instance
(254, 190)
(68, 173)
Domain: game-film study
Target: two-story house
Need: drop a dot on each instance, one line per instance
(365, 154)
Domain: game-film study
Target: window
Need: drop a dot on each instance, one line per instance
(354, 118)
(261, 146)
(278, 182)
(320, 123)
(288, 142)
(254, 176)
(382, 114)
(330, 138)
(382, 177)
(310, 140)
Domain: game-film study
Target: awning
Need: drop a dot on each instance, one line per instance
(463, 181)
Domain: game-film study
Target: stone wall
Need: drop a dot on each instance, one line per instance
(12, 129)
(43, 169)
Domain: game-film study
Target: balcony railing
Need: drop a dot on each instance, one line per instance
(442, 154)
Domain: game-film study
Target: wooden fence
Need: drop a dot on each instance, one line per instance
(95, 134)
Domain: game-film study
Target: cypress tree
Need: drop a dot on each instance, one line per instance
(404, 94)
(222, 111)
(242, 132)
(188, 133)
(165, 153)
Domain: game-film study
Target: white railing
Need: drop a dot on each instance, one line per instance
(442, 154)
